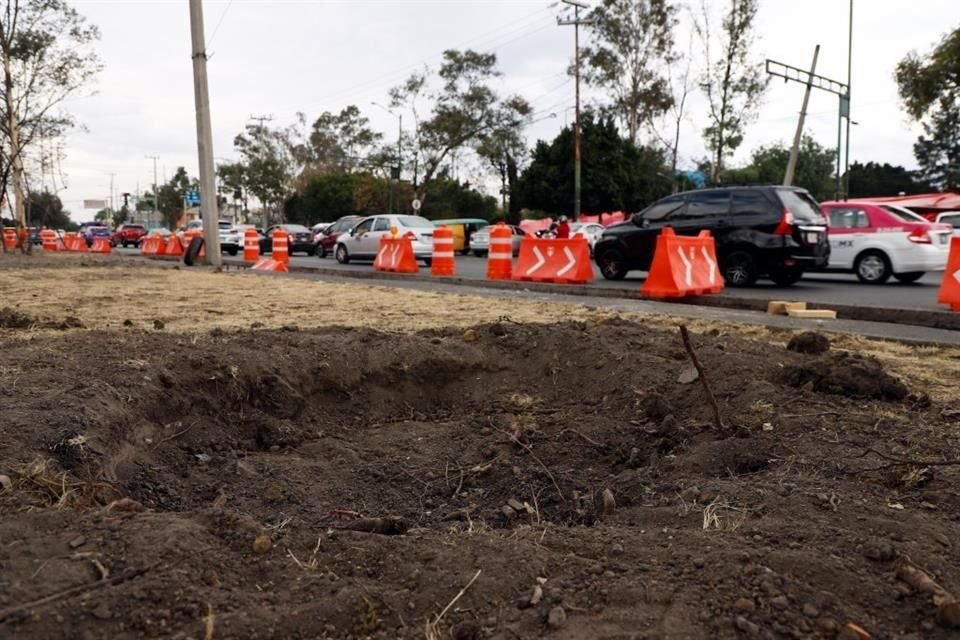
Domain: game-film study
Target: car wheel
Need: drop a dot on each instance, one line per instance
(907, 278)
(872, 267)
(341, 254)
(612, 264)
(124, 244)
(480, 254)
(320, 251)
(786, 277)
(740, 269)
(427, 262)
(232, 251)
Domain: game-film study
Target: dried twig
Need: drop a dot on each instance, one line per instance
(948, 607)
(590, 440)
(685, 335)
(208, 623)
(529, 449)
(432, 630)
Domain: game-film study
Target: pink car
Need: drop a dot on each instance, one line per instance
(877, 241)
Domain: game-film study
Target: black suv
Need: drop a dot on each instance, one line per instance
(777, 232)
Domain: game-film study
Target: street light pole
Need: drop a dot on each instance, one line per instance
(156, 197)
(399, 118)
(846, 160)
(576, 22)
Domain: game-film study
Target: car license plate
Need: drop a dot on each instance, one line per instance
(813, 237)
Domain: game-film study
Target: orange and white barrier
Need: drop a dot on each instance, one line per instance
(9, 237)
(561, 260)
(396, 255)
(174, 246)
(950, 286)
(149, 245)
(251, 245)
(101, 245)
(443, 262)
(48, 240)
(269, 264)
(683, 266)
(75, 242)
(500, 253)
(280, 250)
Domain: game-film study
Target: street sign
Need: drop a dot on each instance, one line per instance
(193, 197)
(415, 204)
(94, 204)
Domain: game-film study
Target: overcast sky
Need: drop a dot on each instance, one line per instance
(280, 57)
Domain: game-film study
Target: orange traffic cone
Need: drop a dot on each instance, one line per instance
(280, 248)
(500, 253)
(251, 245)
(443, 262)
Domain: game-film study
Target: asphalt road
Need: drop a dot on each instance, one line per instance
(820, 288)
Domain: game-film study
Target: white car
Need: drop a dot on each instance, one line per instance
(951, 218)
(363, 240)
(231, 240)
(480, 240)
(222, 227)
(589, 230)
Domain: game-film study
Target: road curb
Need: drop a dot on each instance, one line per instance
(914, 317)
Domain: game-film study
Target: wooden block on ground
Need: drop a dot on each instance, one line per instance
(815, 314)
(781, 307)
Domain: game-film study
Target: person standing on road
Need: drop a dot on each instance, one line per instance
(563, 228)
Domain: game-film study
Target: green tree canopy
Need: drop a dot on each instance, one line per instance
(875, 179)
(617, 175)
(44, 209)
(815, 168)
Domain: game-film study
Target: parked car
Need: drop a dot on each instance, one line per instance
(363, 241)
(480, 240)
(463, 230)
(232, 239)
(128, 235)
(92, 232)
(299, 239)
(33, 235)
(222, 225)
(877, 241)
(327, 241)
(319, 228)
(159, 232)
(591, 231)
(768, 231)
(951, 218)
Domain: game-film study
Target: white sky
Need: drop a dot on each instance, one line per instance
(278, 57)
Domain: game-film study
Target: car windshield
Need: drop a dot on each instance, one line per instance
(296, 228)
(414, 222)
(224, 224)
(951, 220)
(803, 207)
(904, 214)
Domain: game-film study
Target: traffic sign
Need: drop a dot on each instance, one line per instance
(193, 197)
(415, 204)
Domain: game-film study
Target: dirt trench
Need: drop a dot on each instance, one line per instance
(566, 463)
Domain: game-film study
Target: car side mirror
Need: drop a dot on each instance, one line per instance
(638, 221)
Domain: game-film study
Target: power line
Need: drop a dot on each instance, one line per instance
(219, 22)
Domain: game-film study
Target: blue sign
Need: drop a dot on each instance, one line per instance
(193, 197)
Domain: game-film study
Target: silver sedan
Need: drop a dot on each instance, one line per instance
(480, 240)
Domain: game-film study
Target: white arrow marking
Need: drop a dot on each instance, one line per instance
(713, 265)
(688, 264)
(383, 251)
(570, 265)
(393, 256)
(540, 261)
(956, 275)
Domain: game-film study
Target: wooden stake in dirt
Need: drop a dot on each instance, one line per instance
(948, 607)
(685, 335)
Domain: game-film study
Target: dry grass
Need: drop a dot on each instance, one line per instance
(104, 293)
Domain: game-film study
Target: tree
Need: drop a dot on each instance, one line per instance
(875, 179)
(324, 198)
(633, 47)
(929, 87)
(341, 142)
(451, 198)
(271, 160)
(617, 174)
(815, 167)
(465, 108)
(732, 84)
(45, 209)
(44, 46)
(171, 196)
(233, 177)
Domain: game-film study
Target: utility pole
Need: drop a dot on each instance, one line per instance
(208, 190)
(795, 149)
(846, 156)
(112, 176)
(156, 196)
(395, 171)
(576, 22)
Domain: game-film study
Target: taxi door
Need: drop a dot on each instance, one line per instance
(848, 229)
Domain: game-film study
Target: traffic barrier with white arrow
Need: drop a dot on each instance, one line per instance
(565, 261)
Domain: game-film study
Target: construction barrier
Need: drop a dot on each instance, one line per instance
(174, 246)
(443, 262)
(280, 248)
(251, 245)
(48, 240)
(500, 253)
(101, 245)
(396, 255)
(269, 264)
(683, 266)
(76, 243)
(950, 286)
(561, 260)
(9, 237)
(150, 245)
(188, 237)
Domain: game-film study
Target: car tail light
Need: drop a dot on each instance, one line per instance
(920, 236)
(785, 228)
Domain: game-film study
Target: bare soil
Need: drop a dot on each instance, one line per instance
(303, 480)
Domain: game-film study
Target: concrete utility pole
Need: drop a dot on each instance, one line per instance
(576, 22)
(846, 156)
(795, 149)
(156, 196)
(208, 188)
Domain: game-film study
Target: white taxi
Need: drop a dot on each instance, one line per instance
(877, 241)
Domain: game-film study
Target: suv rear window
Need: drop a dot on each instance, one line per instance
(803, 207)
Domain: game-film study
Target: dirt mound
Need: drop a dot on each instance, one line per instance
(14, 319)
(847, 375)
(340, 483)
(809, 342)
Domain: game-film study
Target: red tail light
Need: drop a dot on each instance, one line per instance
(920, 236)
(785, 228)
